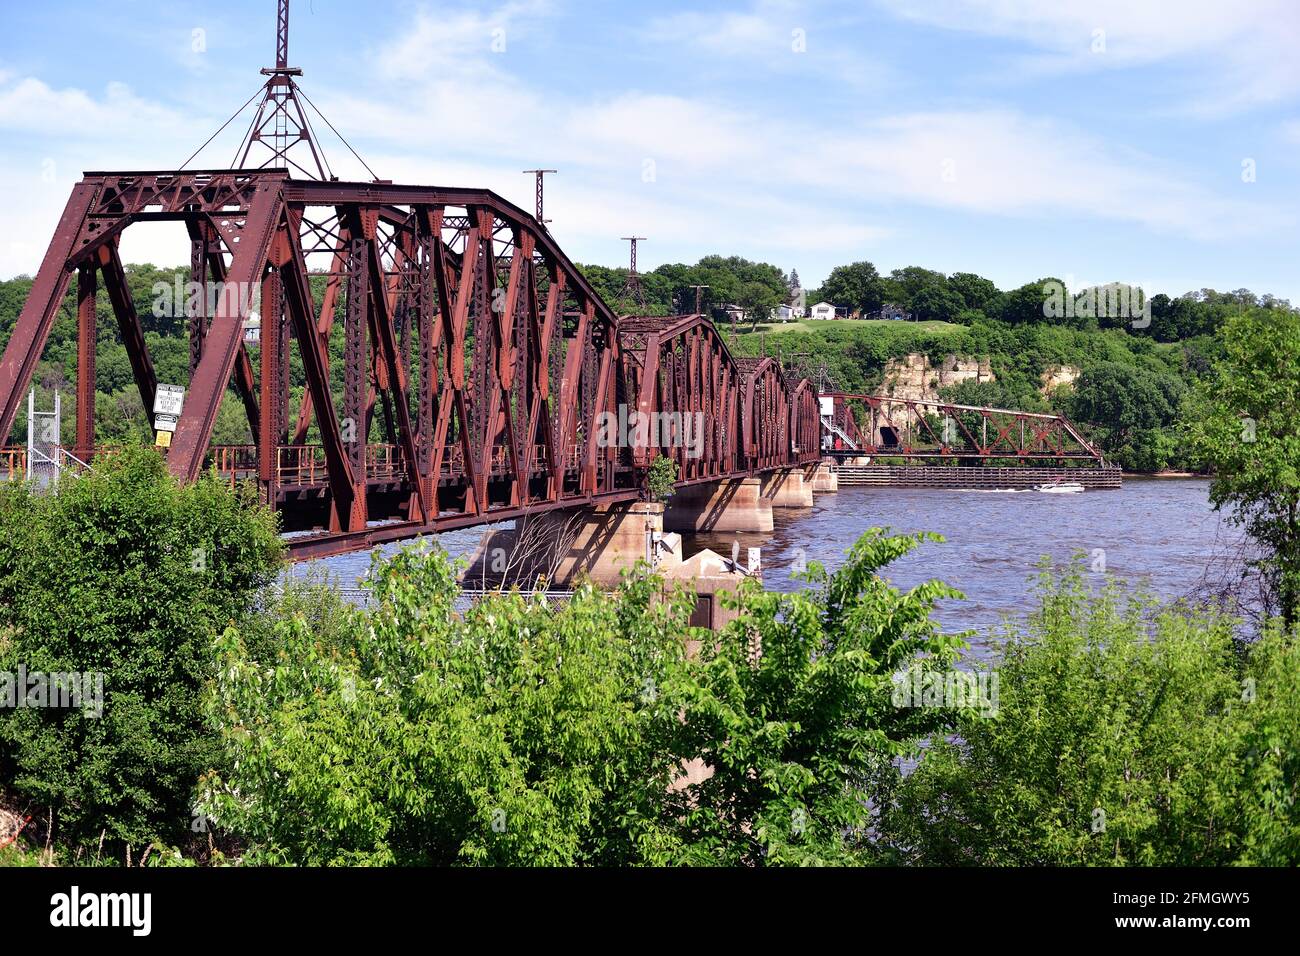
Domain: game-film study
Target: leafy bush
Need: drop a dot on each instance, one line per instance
(1126, 735)
(518, 734)
(661, 478)
(792, 708)
(525, 734)
(125, 573)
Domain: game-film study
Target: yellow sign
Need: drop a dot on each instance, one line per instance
(164, 440)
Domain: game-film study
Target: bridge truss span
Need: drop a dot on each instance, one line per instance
(916, 429)
(480, 370)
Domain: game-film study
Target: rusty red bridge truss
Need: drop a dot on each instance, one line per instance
(919, 429)
(477, 361)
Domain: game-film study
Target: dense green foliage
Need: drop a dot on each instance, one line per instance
(605, 730)
(1128, 397)
(756, 287)
(127, 574)
(1126, 735)
(661, 478)
(1245, 426)
(522, 733)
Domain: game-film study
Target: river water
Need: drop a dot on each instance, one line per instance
(1161, 533)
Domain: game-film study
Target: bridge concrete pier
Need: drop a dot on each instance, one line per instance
(788, 488)
(733, 504)
(825, 478)
(561, 547)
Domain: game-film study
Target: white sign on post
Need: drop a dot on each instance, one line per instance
(168, 401)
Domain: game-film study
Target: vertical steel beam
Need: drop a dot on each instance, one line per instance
(87, 335)
(355, 378)
(196, 311)
(268, 434)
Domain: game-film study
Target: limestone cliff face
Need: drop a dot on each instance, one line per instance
(1055, 375)
(914, 377)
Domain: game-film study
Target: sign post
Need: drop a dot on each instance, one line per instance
(167, 404)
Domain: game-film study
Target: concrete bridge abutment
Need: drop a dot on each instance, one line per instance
(788, 488)
(560, 547)
(825, 478)
(733, 504)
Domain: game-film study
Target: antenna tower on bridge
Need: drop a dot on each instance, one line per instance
(539, 173)
(699, 298)
(632, 290)
(280, 123)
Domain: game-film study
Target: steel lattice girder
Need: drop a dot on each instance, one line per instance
(754, 419)
(975, 432)
(466, 274)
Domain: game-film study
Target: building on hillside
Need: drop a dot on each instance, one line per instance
(894, 312)
(822, 310)
(785, 313)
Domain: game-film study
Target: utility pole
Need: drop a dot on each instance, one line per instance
(698, 297)
(539, 173)
(632, 289)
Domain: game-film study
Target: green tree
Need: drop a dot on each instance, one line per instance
(1125, 734)
(127, 574)
(936, 302)
(857, 287)
(1245, 427)
(976, 292)
(519, 734)
(661, 478)
(525, 734)
(1024, 306)
(1132, 404)
(792, 710)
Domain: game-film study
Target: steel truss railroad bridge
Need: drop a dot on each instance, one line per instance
(471, 345)
(472, 348)
(934, 430)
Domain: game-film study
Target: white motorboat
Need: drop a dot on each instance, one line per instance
(1060, 487)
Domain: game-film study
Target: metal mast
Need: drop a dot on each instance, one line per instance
(632, 290)
(280, 122)
(539, 173)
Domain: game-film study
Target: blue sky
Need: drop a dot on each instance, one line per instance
(1013, 138)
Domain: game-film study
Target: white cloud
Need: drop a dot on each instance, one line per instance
(1237, 54)
(747, 180)
(28, 105)
(778, 36)
(1000, 162)
(453, 40)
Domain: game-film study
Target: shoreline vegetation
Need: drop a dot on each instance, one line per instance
(292, 728)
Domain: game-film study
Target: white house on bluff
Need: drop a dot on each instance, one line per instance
(822, 310)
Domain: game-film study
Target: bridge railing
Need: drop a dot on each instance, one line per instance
(13, 463)
(305, 464)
